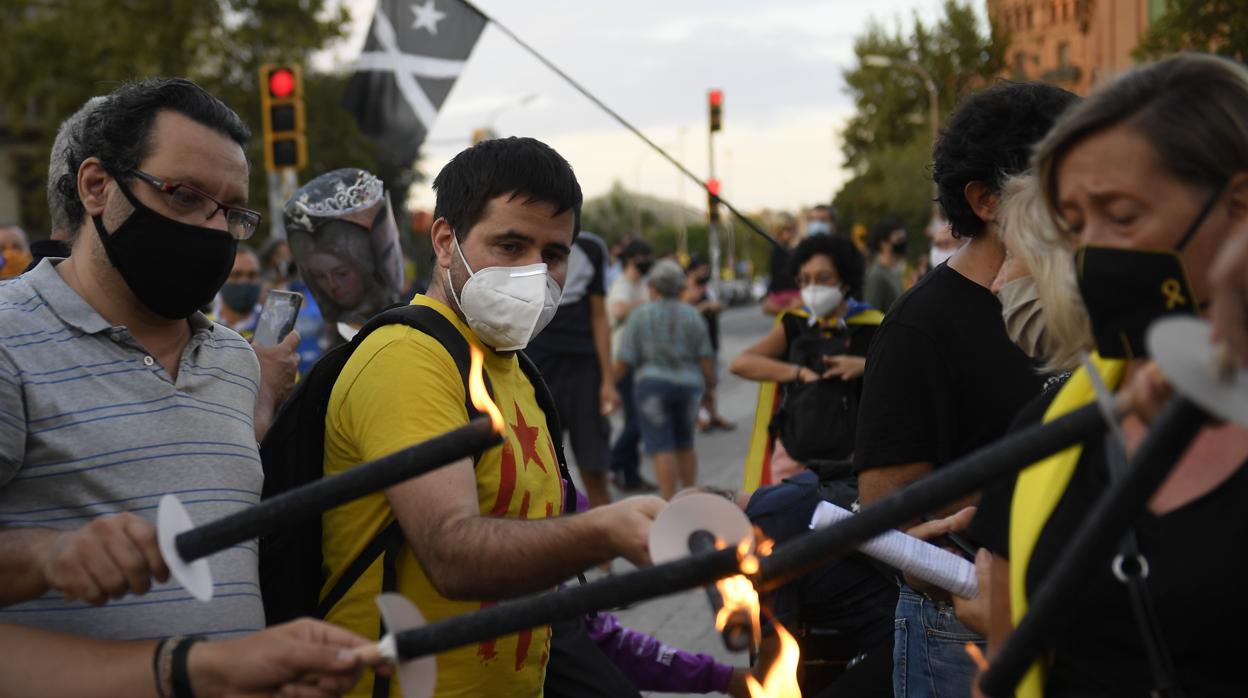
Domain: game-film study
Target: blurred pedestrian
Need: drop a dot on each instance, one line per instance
(574, 355)
(666, 344)
(277, 268)
(14, 251)
(821, 220)
(699, 293)
(815, 356)
(626, 295)
(237, 305)
(885, 277)
(782, 293)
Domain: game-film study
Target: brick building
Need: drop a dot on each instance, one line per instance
(1075, 44)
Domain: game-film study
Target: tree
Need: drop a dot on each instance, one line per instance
(58, 54)
(886, 143)
(1213, 26)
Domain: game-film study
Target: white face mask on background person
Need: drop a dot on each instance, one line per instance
(1024, 319)
(818, 228)
(506, 306)
(822, 300)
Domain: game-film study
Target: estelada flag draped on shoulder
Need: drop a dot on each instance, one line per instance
(758, 456)
(414, 53)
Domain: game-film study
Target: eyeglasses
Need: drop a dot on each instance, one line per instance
(820, 279)
(187, 201)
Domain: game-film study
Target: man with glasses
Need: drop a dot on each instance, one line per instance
(116, 390)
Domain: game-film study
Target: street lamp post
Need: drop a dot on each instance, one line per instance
(933, 100)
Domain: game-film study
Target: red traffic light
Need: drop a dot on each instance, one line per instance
(281, 83)
(712, 187)
(716, 98)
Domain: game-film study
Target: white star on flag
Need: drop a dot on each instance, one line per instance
(427, 17)
(407, 69)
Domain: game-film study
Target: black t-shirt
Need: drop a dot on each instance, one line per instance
(571, 332)
(781, 271)
(943, 378)
(1196, 573)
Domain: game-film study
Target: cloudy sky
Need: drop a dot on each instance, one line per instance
(779, 63)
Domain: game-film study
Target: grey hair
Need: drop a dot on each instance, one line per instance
(666, 278)
(68, 139)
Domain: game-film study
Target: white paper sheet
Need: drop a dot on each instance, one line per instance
(915, 557)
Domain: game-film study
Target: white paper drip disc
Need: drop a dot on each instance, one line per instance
(669, 535)
(171, 521)
(1181, 347)
(418, 676)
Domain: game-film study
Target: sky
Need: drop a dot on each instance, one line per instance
(778, 62)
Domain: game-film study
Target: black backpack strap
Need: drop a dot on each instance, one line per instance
(546, 401)
(379, 545)
(394, 543)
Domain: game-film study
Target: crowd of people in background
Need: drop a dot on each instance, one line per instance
(131, 368)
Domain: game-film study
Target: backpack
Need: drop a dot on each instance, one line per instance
(817, 421)
(293, 454)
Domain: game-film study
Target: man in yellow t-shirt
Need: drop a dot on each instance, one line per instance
(507, 212)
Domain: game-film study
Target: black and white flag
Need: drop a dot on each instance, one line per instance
(414, 52)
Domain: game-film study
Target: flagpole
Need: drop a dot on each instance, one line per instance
(615, 115)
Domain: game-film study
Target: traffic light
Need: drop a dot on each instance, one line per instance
(712, 200)
(716, 100)
(281, 109)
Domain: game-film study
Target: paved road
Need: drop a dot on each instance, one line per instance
(684, 620)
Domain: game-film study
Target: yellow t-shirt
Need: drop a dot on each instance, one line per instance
(401, 387)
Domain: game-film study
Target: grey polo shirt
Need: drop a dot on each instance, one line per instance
(90, 424)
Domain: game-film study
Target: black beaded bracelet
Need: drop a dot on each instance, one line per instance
(181, 676)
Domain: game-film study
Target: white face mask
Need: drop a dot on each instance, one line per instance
(506, 306)
(822, 300)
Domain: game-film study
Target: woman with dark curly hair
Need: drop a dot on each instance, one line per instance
(823, 346)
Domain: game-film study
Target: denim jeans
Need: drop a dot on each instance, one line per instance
(929, 653)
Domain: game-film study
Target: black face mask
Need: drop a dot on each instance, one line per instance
(643, 266)
(899, 248)
(240, 297)
(1126, 290)
(173, 268)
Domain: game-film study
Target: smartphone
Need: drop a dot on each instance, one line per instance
(277, 317)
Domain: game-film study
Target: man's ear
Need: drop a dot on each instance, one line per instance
(93, 182)
(442, 236)
(983, 200)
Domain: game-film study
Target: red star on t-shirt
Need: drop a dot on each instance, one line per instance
(527, 436)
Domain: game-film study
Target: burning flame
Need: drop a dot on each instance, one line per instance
(480, 396)
(781, 679)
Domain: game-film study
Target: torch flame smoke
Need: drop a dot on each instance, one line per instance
(480, 396)
(781, 679)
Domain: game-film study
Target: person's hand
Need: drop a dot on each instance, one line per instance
(1147, 391)
(844, 366)
(807, 375)
(737, 687)
(304, 658)
(627, 525)
(1229, 277)
(795, 303)
(279, 364)
(930, 530)
(608, 397)
(974, 612)
(105, 559)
